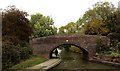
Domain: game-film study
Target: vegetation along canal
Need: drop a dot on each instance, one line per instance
(72, 60)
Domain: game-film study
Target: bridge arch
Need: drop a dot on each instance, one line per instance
(85, 51)
(44, 45)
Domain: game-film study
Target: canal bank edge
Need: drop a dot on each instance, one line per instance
(45, 65)
(106, 62)
(52, 65)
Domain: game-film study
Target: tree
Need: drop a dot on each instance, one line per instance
(95, 27)
(80, 29)
(113, 22)
(94, 19)
(15, 24)
(68, 29)
(62, 30)
(42, 25)
(103, 9)
(15, 34)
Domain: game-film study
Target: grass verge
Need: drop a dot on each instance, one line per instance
(33, 60)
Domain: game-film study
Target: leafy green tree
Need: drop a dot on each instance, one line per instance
(42, 25)
(113, 22)
(80, 26)
(103, 9)
(96, 27)
(15, 24)
(62, 30)
(68, 29)
(94, 19)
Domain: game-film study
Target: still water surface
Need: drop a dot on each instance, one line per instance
(71, 60)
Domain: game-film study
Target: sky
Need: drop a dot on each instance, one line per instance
(61, 11)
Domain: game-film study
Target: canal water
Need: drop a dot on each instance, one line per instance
(73, 61)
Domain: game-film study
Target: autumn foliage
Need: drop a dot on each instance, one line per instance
(15, 35)
(16, 24)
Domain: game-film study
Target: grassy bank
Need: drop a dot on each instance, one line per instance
(33, 60)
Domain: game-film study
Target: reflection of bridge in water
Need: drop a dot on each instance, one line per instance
(43, 46)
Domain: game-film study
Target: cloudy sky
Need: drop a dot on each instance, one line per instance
(62, 11)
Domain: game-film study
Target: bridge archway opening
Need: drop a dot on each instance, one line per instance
(64, 47)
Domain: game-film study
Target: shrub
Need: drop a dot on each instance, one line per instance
(114, 43)
(101, 46)
(115, 55)
(12, 54)
(118, 46)
(25, 52)
(114, 36)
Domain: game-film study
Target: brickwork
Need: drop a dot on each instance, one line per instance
(44, 45)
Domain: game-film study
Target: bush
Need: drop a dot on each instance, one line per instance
(12, 54)
(118, 46)
(25, 52)
(101, 47)
(114, 43)
(114, 36)
(115, 55)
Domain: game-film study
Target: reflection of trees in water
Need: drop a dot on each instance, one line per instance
(70, 55)
(72, 60)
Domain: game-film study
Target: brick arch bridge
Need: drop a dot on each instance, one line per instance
(44, 45)
(84, 51)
